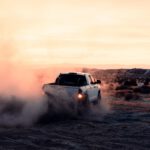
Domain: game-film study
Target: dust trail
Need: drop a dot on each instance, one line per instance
(21, 99)
(21, 102)
(16, 111)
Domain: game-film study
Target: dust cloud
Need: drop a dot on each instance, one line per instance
(22, 102)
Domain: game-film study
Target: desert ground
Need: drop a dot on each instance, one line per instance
(118, 124)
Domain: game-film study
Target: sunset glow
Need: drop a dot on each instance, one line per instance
(87, 32)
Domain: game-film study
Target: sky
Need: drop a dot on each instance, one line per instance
(85, 32)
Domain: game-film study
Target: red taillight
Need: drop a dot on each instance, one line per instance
(80, 96)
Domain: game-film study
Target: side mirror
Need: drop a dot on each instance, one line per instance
(98, 82)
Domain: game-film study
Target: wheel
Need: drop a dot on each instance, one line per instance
(83, 106)
(97, 101)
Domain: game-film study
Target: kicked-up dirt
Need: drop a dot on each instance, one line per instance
(123, 125)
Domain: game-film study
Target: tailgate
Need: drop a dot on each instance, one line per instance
(61, 92)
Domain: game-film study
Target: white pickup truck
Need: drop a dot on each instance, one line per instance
(78, 87)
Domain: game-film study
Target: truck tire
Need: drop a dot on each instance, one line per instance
(83, 106)
(97, 101)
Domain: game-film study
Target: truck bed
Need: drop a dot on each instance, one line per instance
(60, 91)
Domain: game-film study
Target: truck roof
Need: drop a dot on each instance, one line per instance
(77, 73)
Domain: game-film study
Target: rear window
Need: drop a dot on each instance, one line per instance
(71, 80)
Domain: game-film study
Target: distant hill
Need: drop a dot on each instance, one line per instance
(111, 75)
